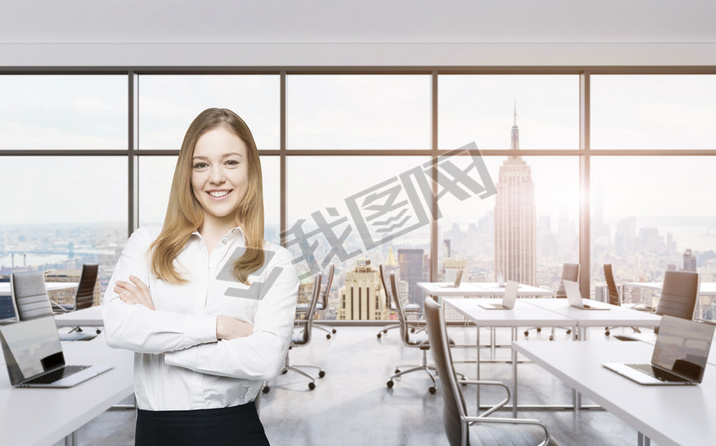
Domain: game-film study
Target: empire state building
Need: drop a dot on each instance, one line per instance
(515, 218)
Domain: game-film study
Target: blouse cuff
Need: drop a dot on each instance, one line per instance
(202, 328)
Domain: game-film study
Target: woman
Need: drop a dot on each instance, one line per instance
(205, 302)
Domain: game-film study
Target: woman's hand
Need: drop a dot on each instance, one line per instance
(134, 293)
(230, 328)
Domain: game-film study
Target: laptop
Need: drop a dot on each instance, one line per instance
(574, 297)
(34, 358)
(458, 278)
(679, 358)
(508, 299)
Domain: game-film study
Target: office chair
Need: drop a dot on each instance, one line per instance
(570, 271)
(679, 293)
(409, 309)
(30, 300)
(614, 297)
(413, 340)
(29, 296)
(321, 305)
(84, 296)
(301, 337)
(456, 420)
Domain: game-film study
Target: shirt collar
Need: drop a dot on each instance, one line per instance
(234, 233)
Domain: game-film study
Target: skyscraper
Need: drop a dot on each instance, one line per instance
(362, 296)
(411, 270)
(515, 218)
(689, 260)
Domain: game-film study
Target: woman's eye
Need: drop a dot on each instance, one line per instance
(200, 165)
(232, 163)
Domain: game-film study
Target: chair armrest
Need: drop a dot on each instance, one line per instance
(57, 308)
(497, 406)
(525, 421)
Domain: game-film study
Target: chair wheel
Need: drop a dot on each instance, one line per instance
(569, 331)
(99, 331)
(283, 372)
(432, 390)
(527, 333)
(606, 333)
(328, 336)
(412, 330)
(321, 374)
(539, 330)
(333, 331)
(378, 335)
(551, 338)
(266, 389)
(311, 386)
(397, 371)
(79, 329)
(390, 384)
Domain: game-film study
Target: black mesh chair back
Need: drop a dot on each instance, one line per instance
(29, 296)
(678, 294)
(611, 285)
(570, 271)
(84, 297)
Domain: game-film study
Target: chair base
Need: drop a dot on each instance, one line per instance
(297, 369)
(415, 368)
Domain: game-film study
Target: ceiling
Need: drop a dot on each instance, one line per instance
(365, 21)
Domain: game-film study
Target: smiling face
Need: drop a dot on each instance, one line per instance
(219, 176)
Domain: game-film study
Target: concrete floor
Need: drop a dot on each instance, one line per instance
(352, 405)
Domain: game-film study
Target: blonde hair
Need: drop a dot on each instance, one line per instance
(184, 213)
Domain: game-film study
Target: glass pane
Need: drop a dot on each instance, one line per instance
(169, 103)
(155, 180)
(364, 207)
(61, 221)
(649, 112)
(535, 213)
(63, 112)
(656, 225)
(484, 108)
(358, 112)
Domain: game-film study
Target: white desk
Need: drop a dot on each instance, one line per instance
(479, 289)
(705, 289)
(669, 415)
(45, 416)
(614, 317)
(89, 317)
(523, 314)
(50, 286)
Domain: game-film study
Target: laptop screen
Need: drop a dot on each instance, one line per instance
(682, 346)
(31, 348)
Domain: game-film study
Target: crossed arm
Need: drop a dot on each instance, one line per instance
(136, 292)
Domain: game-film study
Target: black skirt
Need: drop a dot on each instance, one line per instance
(229, 426)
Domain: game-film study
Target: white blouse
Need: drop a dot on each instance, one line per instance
(179, 364)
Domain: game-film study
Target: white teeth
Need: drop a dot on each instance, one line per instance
(219, 193)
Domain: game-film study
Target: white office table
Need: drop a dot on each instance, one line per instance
(705, 289)
(614, 317)
(669, 415)
(479, 289)
(523, 314)
(50, 286)
(89, 317)
(45, 416)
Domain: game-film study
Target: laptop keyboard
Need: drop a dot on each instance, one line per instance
(657, 373)
(58, 374)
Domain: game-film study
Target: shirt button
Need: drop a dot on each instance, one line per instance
(211, 266)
